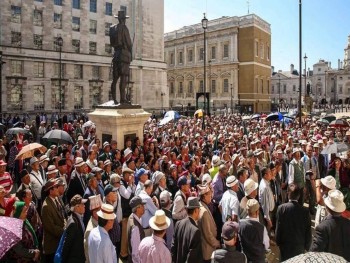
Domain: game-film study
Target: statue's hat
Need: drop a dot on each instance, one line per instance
(121, 14)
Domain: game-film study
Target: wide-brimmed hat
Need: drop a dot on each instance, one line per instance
(329, 182)
(231, 181)
(157, 176)
(51, 169)
(105, 144)
(159, 221)
(295, 150)
(335, 201)
(192, 202)
(106, 212)
(252, 205)
(127, 151)
(79, 162)
(49, 184)
(96, 170)
(77, 200)
(206, 178)
(203, 189)
(95, 202)
(127, 170)
(32, 160)
(121, 15)
(165, 196)
(249, 186)
(43, 158)
(136, 201)
(107, 162)
(215, 161)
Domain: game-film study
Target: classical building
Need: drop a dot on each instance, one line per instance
(31, 73)
(327, 84)
(237, 63)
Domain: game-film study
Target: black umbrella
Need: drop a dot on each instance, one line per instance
(59, 137)
(337, 147)
(276, 116)
(14, 131)
(316, 257)
(19, 125)
(330, 118)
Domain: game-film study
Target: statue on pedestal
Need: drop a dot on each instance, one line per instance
(121, 42)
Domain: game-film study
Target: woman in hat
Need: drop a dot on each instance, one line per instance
(27, 249)
(323, 186)
(337, 171)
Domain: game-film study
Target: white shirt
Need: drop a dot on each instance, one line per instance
(229, 204)
(101, 249)
(179, 208)
(150, 208)
(36, 182)
(135, 241)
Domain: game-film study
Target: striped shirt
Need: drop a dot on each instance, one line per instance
(6, 181)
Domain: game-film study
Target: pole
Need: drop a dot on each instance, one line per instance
(300, 62)
(305, 58)
(1, 62)
(205, 71)
(231, 99)
(60, 80)
(279, 93)
(325, 89)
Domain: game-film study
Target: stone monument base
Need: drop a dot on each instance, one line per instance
(119, 122)
(308, 101)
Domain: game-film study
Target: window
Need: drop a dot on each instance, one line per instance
(38, 18)
(78, 71)
(201, 54)
(225, 51)
(16, 14)
(57, 2)
(123, 8)
(16, 39)
(180, 57)
(55, 97)
(201, 86)
(38, 69)
(38, 41)
(262, 86)
(107, 27)
(171, 58)
(95, 72)
(39, 98)
(16, 97)
(225, 85)
(96, 96)
(57, 70)
(190, 55)
(93, 26)
(262, 50)
(78, 97)
(76, 45)
(57, 20)
(55, 44)
(16, 68)
(181, 90)
(340, 88)
(108, 49)
(190, 87)
(108, 9)
(284, 88)
(294, 88)
(273, 89)
(76, 4)
(93, 6)
(76, 23)
(268, 52)
(213, 86)
(256, 48)
(319, 69)
(171, 87)
(213, 52)
(92, 47)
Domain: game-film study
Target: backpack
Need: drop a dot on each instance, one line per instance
(58, 254)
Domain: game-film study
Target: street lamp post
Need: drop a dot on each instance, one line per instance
(300, 60)
(205, 26)
(231, 99)
(60, 44)
(1, 63)
(305, 92)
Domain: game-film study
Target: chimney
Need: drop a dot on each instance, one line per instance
(341, 64)
(272, 69)
(329, 65)
(291, 68)
(338, 63)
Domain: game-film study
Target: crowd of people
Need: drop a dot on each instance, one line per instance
(226, 191)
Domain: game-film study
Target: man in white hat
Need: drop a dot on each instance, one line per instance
(166, 204)
(332, 234)
(206, 223)
(100, 245)
(266, 198)
(36, 179)
(229, 203)
(215, 161)
(152, 249)
(250, 191)
(323, 186)
(77, 183)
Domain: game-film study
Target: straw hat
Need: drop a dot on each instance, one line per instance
(159, 221)
(106, 212)
(335, 201)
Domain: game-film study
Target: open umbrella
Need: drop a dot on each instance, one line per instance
(255, 116)
(323, 122)
(13, 131)
(29, 150)
(198, 113)
(316, 257)
(10, 233)
(88, 124)
(340, 123)
(172, 114)
(19, 124)
(276, 116)
(336, 148)
(330, 118)
(59, 137)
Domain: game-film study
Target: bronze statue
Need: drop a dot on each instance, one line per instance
(121, 42)
(308, 89)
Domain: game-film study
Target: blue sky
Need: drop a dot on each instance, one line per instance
(326, 25)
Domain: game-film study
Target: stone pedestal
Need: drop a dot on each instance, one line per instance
(308, 103)
(118, 123)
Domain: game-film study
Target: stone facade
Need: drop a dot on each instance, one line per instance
(238, 63)
(31, 73)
